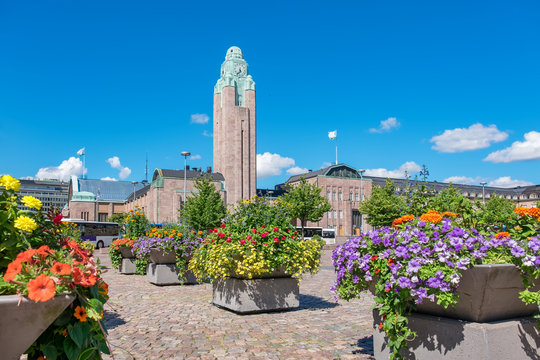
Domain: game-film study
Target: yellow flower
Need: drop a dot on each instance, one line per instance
(10, 183)
(31, 202)
(25, 223)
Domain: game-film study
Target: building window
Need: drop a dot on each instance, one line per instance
(328, 195)
(355, 196)
(350, 196)
(102, 217)
(533, 196)
(334, 214)
(333, 195)
(341, 214)
(523, 197)
(339, 196)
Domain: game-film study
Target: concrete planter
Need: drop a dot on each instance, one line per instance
(486, 293)
(276, 273)
(126, 252)
(167, 274)
(257, 295)
(157, 256)
(21, 324)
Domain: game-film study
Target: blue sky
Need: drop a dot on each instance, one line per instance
(453, 85)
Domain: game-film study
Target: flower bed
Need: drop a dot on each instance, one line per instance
(423, 258)
(39, 260)
(250, 254)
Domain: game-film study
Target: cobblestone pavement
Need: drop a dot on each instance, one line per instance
(146, 321)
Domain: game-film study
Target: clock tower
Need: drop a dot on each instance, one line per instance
(235, 146)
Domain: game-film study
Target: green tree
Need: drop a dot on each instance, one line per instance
(205, 209)
(384, 205)
(419, 195)
(118, 218)
(451, 199)
(496, 212)
(306, 203)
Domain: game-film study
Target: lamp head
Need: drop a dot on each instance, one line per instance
(185, 153)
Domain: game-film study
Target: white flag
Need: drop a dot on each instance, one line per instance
(332, 134)
(80, 152)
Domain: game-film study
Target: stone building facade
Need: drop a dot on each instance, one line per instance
(235, 144)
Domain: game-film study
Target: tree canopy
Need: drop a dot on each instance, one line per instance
(206, 208)
(384, 205)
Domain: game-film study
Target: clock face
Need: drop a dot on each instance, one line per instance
(239, 69)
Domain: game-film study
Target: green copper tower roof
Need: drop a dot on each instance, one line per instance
(234, 72)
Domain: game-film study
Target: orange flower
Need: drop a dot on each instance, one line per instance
(380, 326)
(431, 216)
(42, 358)
(80, 313)
(448, 213)
(403, 219)
(44, 251)
(26, 255)
(103, 288)
(64, 332)
(41, 288)
(61, 268)
(82, 278)
(200, 232)
(13, 269)
(502, 235)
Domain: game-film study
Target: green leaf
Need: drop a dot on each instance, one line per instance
(102, 346)
(70, 349)
(49, 351)
(94, 308)
(79, 333)
(87, 354)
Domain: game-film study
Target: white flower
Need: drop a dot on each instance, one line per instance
(529, 260)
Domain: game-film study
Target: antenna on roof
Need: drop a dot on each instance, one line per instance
(146, 169)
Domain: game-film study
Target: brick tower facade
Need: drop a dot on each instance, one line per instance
(235, 147)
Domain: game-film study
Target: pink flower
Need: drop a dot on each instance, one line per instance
(221, 235)
(276, 229)
(222, 226)
(264, 234)
(254, 231)
(283, 237)
(294, 237)
(228, 240)
(253, 242)
(57, 219)
(248, 237)
(263, 225)
(276, 240)
(242, 242)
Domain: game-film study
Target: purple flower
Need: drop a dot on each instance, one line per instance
(420, 294)
(414, 266)
(355, 279)
(404, 282)
(402, 251)
(434, 282)
(534, 244)
(518, 251)
(421, 223)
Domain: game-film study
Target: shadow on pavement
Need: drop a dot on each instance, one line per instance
(364, 346)
(311, 302)
(112, 319)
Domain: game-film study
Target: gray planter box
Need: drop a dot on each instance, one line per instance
(256, 295)
(486, 293)
(167, 274)
(21, 324)
(126, 252)
(127, 267)
(450, 339)
(158, 257)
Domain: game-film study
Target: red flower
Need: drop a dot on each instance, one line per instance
(13, 269)
(293, 237)
(228, 240)
(283, 237)
(380, 326)
(58, 219)
(254, 231)
(263, 225)
(374, 257)
(377, 271)
(242, 242)
(26, 256)
(276, 229)
(222, 226)
(390, 261)
(387, 290)
(41, 288)
(248, 237)
(61, 268)
(253, 242)
(221, 235)
(276, 240)
(264, 234)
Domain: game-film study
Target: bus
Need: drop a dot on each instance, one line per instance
(328, 235)
(99, 233)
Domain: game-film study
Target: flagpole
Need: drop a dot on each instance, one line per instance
(84, 164)
(336, 152)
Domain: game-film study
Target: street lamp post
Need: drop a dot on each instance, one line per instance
(361, 172)
(185, 154)
(483, 183)
(134, 183)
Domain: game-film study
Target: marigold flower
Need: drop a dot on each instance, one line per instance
(200, 232)
(10, 183)
(41, 288)
(403, 219)
(431, 216)
(61, 268)
(25, 223)
(31, 202)
(80, 313)
(448, 213)
(13, 269)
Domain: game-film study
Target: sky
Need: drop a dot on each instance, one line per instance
(452, 85)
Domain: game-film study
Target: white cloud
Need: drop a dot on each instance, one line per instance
(508, 182)
(410, 167)
(464, 180)
(475, 137)
(71, 166)
(115, 164)
(207, 134)
(520, 150)
(272, 164)
(326, 164)
(386, 125)
(107, 178)
(199, 118)
(296, 170)
(195, 157)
